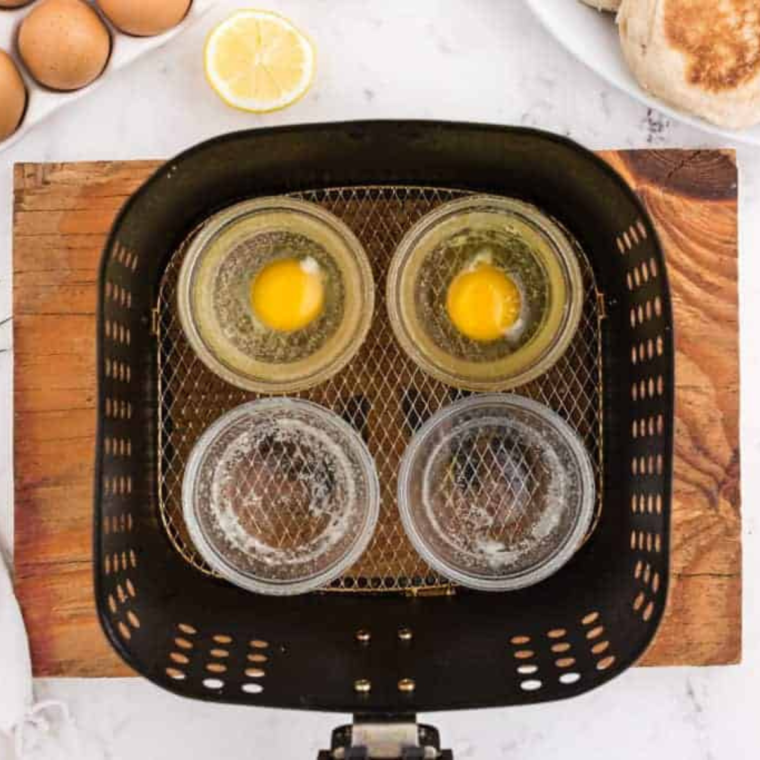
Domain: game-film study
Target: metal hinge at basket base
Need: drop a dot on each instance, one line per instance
(385, 738)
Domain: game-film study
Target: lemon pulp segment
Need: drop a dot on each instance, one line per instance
(483, 302)
(288, 294)
(258, 61)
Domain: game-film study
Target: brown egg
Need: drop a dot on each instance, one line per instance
(12, 96)
(64, 44)
(145, 18)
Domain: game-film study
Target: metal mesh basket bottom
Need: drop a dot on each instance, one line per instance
(381, 392)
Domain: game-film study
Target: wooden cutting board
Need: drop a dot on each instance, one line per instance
(62, 215)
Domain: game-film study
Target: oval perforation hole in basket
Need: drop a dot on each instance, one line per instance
(256, 657)
(252, 688)
(557, 633)
(255, 672)
(220, 653)
(524, 654)
(175, 673)
(638, 601)
(259, 644)
(134, 621)
(636, 276)
(595, 633)
(562, 646)
(590, 618)
(187, 629)
(620, 245)
(569, 678)
(600, 646)
(221, 638)
(124, 630)
(606, 662)
(183, 643)
(527, 669)
(648, 610)
(179, 658)
(655, 582)
(213, 683)
(216, 667)
(565, 662)
(518, 640)
(111, 603)
(531, 684)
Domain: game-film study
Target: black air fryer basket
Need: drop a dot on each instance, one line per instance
(391, 639)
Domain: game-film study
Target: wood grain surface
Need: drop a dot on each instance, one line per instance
(62, 214)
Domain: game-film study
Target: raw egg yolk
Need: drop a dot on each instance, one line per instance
(288, 294)
(483, 302)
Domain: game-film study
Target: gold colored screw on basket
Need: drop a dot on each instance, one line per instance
(405, 634)
(363, 636)
(406, 685)
(362, 686)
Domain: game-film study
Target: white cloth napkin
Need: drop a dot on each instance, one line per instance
(15, 665)
(18, 712)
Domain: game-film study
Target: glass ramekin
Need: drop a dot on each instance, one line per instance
(229, 341)
(280, 496)
(496, 492)
(423, 267)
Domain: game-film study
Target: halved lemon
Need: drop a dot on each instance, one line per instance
(258, 61)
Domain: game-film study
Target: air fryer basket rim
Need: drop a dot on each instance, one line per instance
(470, 131)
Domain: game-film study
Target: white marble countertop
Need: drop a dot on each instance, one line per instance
(475, 60)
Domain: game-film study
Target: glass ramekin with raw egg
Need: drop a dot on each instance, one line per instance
(275, 295)
(485, 293)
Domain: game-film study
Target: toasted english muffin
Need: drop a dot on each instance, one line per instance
(702, 56)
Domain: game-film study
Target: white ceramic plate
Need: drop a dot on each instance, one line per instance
(124, 50)
(592, 37)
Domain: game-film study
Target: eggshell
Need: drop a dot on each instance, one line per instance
(144, 18)
(64, 44)
(12, 96)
